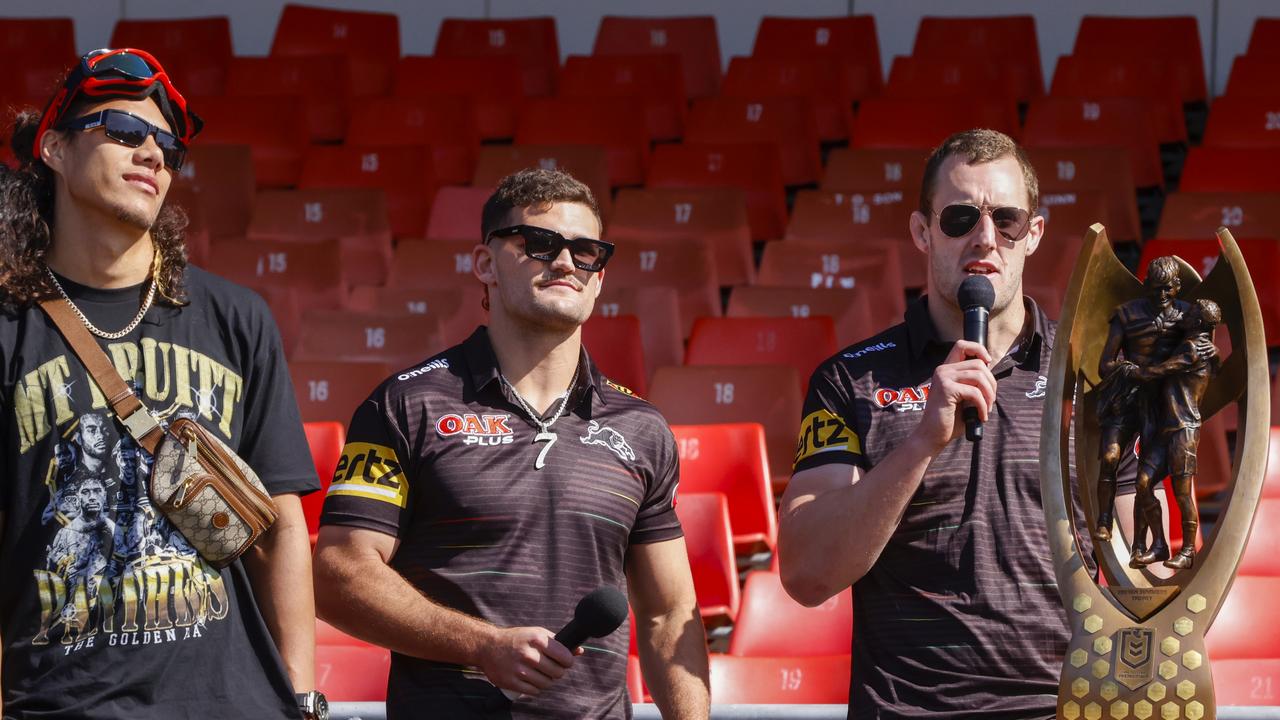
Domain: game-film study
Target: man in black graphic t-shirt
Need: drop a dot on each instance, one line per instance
(106, 611)
(486, 490)
(956, 608)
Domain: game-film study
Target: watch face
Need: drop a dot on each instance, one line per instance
(322, 707)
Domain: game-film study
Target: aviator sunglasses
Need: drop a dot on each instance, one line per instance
(131, 130)
(960, 219)
(546, 245)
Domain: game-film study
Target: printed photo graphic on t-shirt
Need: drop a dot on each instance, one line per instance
(115, 571)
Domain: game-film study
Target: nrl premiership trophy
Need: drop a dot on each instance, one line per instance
(1138, 362)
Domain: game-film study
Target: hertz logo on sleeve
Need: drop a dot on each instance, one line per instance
(823, 431)
(372, 472)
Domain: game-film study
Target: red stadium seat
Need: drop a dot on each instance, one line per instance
(1174, 40)
(313, 268)
(765, 394)
(356, 217)
(1147, 79)
(850, 310)
(221, 179)
(853, 217)
(685, 265)
(1197, 215)
(802, 343)
(1262, 554)
(880, 169)
(615, 126)
(48, 49)
(780, 680)
(1127, 123)
(732, 459)
(756, 169)
(432, 264)
(617, 348)
(457, 309)
(1009, 39)
(1231, 170)
(1236, 632)
(1271, 487)
(925, 123)
(718, 215)
(770, 622)
(635, 680)
(692, 38)
(455, 213)
(195, 52)
(347, 673)
(787, 123)
(325, 440)
(1092, 169)
(317, 81)
(327, 634)
(397, 340)
(913, 77)
(274, 128)
(709, 542)
(839, 264)
(492, 84)
(445, 124)
(590, 165)
(330, 391)
(1253, 76)
(659, 311)
(369, 40)
(1244, 122)
(849, 40)
(403, 174)
(819, 81)
(530, 41)
(1067, 220)
(1246, 682)
(654, 81)
(1264, 41)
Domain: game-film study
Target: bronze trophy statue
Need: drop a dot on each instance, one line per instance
(1138, 362)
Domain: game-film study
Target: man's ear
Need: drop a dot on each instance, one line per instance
(482, 264)
(53, 149)
(1034, 233)
(920, 231)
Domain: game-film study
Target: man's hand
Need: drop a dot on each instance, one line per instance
(964, 378)
(525, 659)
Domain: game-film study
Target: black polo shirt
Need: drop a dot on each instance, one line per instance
(442, 457)
(960, 616)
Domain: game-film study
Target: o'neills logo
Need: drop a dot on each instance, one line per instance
(476, 429)
(904, 399)
(441, 364)
(870, 349)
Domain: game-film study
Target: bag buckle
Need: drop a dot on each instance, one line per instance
(140, 424)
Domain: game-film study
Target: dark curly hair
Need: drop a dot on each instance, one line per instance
(537, 188)
(26, 228)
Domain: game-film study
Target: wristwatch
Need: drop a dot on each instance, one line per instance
(313, 705)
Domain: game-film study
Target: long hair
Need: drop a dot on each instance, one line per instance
(26, 229)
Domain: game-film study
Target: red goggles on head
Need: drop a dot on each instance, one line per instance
(125, 72)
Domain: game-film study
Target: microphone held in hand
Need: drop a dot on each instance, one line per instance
(599, 613)
(975, 297)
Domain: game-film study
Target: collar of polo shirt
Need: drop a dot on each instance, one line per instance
(483, 364)
(923, 336)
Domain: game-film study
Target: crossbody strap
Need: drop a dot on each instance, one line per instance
(135, 418)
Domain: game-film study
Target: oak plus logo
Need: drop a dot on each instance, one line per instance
(907, 399)
(476, 429)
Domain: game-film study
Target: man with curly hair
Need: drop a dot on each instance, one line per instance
(95, 622)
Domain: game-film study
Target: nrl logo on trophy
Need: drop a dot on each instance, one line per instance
(1137, 364)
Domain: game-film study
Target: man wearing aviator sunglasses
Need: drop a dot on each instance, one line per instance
(109, 611)
(942, 540)
(528, 480)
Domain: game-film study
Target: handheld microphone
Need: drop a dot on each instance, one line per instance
(599, 613)
(975, 297)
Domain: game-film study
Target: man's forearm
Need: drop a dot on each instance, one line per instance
(829, 541)
(279, 567)
(673, 655)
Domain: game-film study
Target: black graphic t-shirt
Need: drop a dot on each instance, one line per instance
(105, 610)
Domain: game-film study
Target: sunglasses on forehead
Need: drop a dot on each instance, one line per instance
(960, 219)
(546, 245)
(131, 130)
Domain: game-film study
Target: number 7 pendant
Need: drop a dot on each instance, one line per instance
(550, 439)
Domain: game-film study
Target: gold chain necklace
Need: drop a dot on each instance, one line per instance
(146, 305)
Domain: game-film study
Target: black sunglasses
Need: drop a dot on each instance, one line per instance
(546, 245)
(131, 130)
(959, 220)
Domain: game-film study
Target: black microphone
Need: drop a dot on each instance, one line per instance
(599, 613)
(975, 298)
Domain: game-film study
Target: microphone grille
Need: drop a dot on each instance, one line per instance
(601, 611)
(976, 291)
